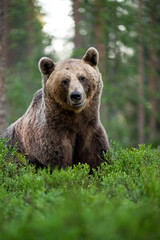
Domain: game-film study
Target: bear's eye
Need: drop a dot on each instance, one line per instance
(65, 82)
(82, 79)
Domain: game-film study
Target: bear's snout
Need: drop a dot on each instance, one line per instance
(75, 96)
(77, 100)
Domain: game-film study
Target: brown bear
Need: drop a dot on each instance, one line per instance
(62, 126)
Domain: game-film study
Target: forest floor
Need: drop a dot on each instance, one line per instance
(118, 201)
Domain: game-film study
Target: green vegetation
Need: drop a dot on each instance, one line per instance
(118, 201)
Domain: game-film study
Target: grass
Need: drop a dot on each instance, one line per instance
(118, 201)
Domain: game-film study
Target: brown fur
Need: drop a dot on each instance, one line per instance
(55, 132)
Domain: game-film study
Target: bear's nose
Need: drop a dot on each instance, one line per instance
(75, 96)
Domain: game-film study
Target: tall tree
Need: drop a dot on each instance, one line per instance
(30, 27)
(78, 41)
(100, 34)
(2, 65)
(153, 72)
(141, 112)
(27, 44)
(153, 89)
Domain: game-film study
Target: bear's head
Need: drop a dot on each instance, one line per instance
(72, 83)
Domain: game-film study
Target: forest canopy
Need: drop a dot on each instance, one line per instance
(126, 34)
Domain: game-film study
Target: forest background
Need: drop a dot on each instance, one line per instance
(127, 36)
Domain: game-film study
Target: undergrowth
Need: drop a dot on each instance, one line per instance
(115, 202)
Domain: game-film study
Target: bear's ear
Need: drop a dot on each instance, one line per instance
(91, 57)
(46, 65)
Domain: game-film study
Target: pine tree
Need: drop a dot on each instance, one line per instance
(2, 65)
(141, 112)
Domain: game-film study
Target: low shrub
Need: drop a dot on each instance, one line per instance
(117, 201)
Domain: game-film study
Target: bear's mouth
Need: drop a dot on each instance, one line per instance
(78, 105)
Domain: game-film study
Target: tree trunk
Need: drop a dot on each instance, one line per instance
(2, 65)
(100, 36)
(30, 28)
(141, 113)
(101, 47)
(152, 83)
(78, 42)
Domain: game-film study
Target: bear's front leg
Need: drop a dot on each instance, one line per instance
(53, 151)
(91, 147)
(61, 156)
